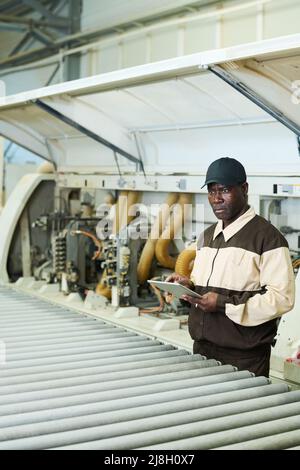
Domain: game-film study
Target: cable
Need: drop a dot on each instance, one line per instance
(95, 240)
(161, 305)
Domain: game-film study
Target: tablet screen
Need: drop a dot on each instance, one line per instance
(176, 289)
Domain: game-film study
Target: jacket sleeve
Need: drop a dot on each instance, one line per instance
(276, 298)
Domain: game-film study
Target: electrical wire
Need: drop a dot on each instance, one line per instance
(160, 297)
(95, 240)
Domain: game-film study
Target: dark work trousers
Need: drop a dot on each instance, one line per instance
(256, 361)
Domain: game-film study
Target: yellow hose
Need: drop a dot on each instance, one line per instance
(102, 287)
(134, 197)
(184, 263)
(119, 220)
(148, 252)
(175, 223)
(296, 263)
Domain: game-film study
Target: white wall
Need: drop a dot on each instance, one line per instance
(29, 79)
(164, 40)
(262, 148)
(236, 22)
(106, 13)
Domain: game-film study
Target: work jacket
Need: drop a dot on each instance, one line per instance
(248, 264)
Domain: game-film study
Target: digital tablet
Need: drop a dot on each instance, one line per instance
(174, 288)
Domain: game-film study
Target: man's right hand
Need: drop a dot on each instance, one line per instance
(183, 280)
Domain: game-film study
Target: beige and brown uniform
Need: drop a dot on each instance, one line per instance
(249, 266)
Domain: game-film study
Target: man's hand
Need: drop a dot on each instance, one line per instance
(183, 280)
(208, 302)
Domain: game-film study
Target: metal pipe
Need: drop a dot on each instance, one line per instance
(217, 375)
(57, 332)
(26, 386)
(273, 442)
(144, 395)
(128, 368)
(293, 448)
(64, 337)
(59, 22)
(67, 353)
(21, 364)
(41, 319)
(117, 409)
(14, 311)
(75, 322)
(207, 431)
(26, 305)
(32, 325)
(94, 385)
(148, 417)
(90, 362)
(122, 338)
(71, 342)
(126, 435)
(240, 434)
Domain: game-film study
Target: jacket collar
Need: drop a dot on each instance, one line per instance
(235, 226)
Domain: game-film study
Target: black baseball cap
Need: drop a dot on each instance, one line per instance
(227, 171)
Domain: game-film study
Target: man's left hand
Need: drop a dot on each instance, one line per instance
(208, 302)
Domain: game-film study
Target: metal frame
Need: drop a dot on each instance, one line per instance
(255, 98)
(87, 132)
(52, 19)
(30, 142)
(165, 69)
(76, 37)
(66, 96)
(46, 29)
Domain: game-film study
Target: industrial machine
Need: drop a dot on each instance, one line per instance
(119, 201)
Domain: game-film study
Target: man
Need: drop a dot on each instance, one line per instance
(244, 273)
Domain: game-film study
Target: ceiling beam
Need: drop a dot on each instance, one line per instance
(42, 36)
(87, 131)
(28, 35)
(72, 62)
(56, 23)
(18, 28)
(22, 43)
(39, 7)
(17, 8)
(9, 5)
(79, 39)
(259, 100)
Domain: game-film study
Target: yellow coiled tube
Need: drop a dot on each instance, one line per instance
(148, 252)
(175, 223)
(102, 287)
(184, 263)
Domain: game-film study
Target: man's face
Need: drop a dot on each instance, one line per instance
(227, 202)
